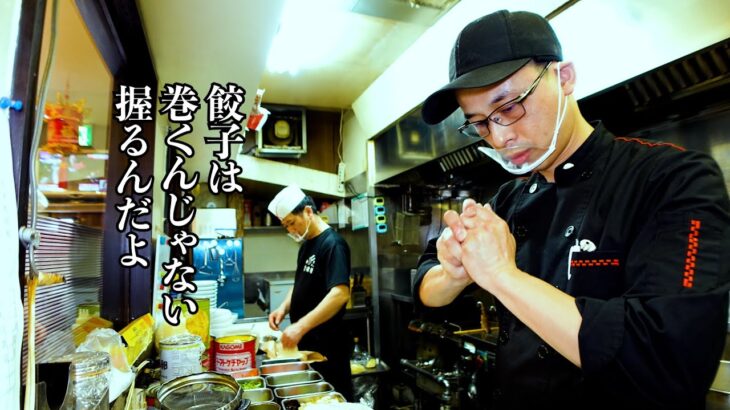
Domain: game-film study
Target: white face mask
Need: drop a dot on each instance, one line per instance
(504, 156)
(300, 238)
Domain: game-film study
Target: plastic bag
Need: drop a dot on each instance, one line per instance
(107, 340)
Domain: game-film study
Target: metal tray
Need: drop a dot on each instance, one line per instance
(283, 367)
(294, 402)
(264, 406)
(255, 382)
(278, 361)
(291, 378)
(302, 389)
(258, 395)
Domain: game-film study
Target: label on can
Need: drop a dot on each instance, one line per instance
(234, 354)
(180, 356)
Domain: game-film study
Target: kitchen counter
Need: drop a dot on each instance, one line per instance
(483, 340)
(276, 278)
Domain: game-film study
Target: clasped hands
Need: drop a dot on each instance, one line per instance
(476, 246)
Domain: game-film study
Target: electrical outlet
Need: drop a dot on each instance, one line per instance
(341, 177)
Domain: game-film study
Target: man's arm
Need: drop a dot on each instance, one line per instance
(442, 283)
(438, 288)
(489, 257)
(277, 316)
(335, 299)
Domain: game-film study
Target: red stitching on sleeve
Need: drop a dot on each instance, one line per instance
(651, 144)
(590, 263)
(691, 259)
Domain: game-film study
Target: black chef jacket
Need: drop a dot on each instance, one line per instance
(643, 228)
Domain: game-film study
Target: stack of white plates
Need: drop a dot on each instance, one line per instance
(220, 320)
(207, 289)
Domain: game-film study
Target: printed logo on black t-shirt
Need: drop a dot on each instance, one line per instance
(309, 264)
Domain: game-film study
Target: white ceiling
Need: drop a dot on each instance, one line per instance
(199, 42)
(229, 40)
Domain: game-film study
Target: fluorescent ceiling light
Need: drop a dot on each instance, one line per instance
(310, 35)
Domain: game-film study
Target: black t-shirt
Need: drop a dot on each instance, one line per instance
(323, 262)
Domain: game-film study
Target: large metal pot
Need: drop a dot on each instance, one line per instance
(202, 391)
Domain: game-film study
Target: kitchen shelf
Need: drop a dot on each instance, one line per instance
(380, 368)
(262, 228)
(78, 195)
(73, 207)
(360, 312)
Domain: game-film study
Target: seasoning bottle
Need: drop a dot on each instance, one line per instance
(358, 355)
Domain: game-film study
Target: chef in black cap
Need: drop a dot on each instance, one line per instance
(608, 258)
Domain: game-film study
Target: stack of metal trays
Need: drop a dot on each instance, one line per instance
(295, 381)
(292, 378)
(268, 369)
(302, 390)
(254, 389)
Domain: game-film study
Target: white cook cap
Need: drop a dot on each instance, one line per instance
(285, 201)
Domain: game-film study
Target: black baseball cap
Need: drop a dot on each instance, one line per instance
(490, 49)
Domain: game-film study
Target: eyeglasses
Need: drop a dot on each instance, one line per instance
(504, 115)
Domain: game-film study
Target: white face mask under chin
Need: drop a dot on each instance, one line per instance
(300, 238)
(502, 155)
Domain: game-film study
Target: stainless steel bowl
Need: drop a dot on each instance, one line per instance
(201, 391)
(302, 389)
(296, 402)
(291, 378)
(258, 395)
(283, 368)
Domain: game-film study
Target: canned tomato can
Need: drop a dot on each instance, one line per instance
(180, 356)
(234, 355)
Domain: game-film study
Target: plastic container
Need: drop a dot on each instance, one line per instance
(88, 381)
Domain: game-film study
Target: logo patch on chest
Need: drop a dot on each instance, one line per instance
(585, 245)
(309, 264)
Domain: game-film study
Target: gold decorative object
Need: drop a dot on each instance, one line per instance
(63, 118)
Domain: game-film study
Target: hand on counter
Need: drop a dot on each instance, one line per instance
(292, 335)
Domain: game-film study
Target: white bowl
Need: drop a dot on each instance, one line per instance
(205, 283)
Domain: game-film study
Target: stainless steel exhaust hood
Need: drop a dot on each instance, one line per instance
(690, 86)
